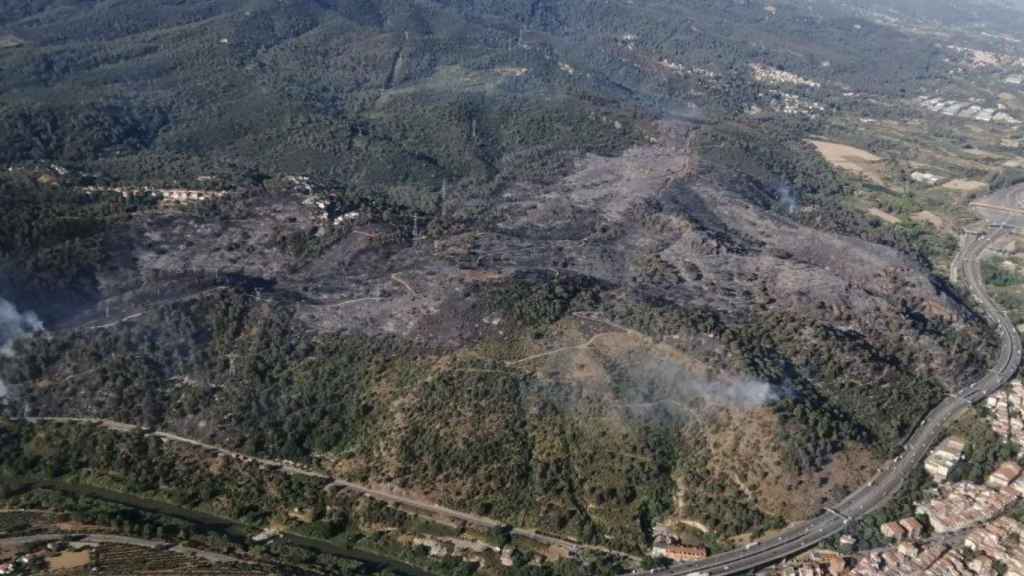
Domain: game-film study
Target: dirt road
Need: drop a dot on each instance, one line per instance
(415, 504)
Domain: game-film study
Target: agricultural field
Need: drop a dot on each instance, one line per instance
(70, 560)
(127, 559)
(854, 160)
(1004, 274)
(920, 171)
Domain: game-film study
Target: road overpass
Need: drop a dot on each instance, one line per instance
(888, 481)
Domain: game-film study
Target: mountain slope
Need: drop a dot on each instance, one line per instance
(539, 260)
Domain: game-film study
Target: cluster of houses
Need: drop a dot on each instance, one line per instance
(788, 103)
(963, 504)
(1007, 412)
(966, 110)
(909, 528)
(770, 75)
(992, 549)
(817, 564)
(987, 541)
(171, 195)
(1000, 541)
(942, 459)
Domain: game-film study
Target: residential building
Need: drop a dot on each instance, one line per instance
(682, 553)
(944, 457)
(893, 530)
(913, 527)
(1006, 473)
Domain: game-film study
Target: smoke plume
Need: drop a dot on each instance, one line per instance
(787, 198)
(658, 381)
(14, 325)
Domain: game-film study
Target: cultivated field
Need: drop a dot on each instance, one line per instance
(856, 160)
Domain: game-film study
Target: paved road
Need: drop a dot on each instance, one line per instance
(887, 482)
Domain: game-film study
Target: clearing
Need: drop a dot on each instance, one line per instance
(961, 185)
(69, 560)
(856, 160)
(931, 218)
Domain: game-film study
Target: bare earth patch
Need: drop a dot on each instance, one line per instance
(884, 216)
(856, 160)
(961, 185)
(931, 218)
(69, 560)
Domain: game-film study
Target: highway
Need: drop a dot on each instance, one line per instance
(887, 482)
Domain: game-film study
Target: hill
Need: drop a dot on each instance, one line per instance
(571, 264)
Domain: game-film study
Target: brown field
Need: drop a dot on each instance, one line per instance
(69, 560)
(964, 188)
(961, 185)
(860, 162)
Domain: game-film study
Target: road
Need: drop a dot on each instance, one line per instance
(887, 482)
(288, 467)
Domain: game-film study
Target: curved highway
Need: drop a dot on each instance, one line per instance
(887, 482)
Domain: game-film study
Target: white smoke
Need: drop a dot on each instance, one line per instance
(661, 381)
(14, 325)
(745, 394)
(787, 198)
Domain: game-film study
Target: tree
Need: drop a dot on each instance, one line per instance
(500, 535)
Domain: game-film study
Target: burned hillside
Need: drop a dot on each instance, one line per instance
(635, 291)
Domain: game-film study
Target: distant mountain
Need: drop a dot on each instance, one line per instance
(1005, 15)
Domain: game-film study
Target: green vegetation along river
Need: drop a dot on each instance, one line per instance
(209, 522)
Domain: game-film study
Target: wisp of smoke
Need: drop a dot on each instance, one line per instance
(662, 381)
(14, 325)
(787, 198)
